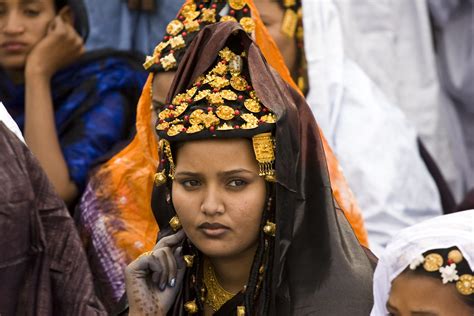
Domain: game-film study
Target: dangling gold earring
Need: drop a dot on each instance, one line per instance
(175, 223)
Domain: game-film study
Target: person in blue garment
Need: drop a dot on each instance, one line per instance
(73, 107)
(130, 25)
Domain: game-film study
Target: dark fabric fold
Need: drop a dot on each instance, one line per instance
(43, 268)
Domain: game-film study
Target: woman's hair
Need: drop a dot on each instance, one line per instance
(59, 4)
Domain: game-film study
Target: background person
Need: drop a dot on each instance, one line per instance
(73, 108)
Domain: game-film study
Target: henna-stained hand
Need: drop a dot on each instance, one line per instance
(153, 279)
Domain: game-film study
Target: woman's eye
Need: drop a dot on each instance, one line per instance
(237, 183)
(190, 183)
(31, 12)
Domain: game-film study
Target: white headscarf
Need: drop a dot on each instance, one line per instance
(438, 233)
(6, 119)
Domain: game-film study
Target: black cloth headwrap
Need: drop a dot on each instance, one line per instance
(319, 268)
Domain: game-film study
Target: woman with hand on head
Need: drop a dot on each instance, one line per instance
(427, 269)
(73, 107)
(241, 191)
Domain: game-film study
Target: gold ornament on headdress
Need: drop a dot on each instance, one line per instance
(465, 284)
(264, 148)
(159, 178)
(166, 150)
(231, 102)
(289, 24)
(433, 262)
(247, 24)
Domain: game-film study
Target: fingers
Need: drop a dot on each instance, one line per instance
(171, 241)
(161, 267)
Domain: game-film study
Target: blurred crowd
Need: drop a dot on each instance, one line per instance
(82, 86)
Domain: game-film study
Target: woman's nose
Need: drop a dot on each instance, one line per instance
(212, 203)
(12, 24)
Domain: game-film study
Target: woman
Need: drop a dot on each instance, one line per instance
(243, 172)
(428, 269)
(73, 108)
(116, 220)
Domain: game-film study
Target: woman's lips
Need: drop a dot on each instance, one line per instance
(213, 230)
(13, 47)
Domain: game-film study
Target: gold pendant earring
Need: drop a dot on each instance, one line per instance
(175, 223)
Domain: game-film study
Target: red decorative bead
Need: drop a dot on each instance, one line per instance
(260, 122)
(240, 97)
(209, 109)
(232, 12)
(201, 6)
(181, 17)
(236, 126)
(224, 62)
(163, 161)
(184, 33)
(186, 117)
(215, 90)
(212, 129)
(166, 37)
(171, 115)
(450, 261)
(189, 100)
(184, 129)
(161, 121)
(265, 110)
(171, 107)
(246, 10)
(198, 84)
(249, 88)
(214, 6)
(237, 112)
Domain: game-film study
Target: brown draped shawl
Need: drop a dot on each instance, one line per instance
(319, 267)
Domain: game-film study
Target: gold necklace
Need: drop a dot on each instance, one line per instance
(216, 295)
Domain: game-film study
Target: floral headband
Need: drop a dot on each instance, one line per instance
(448, 267)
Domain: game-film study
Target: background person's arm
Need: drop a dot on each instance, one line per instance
(60, 47)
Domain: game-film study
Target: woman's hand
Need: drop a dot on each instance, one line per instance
(61, 46)
(153, 279)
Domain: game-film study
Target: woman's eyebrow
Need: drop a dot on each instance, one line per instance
(234, 171)
(423, 313)
(187, 173)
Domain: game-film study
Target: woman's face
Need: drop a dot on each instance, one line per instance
(23, 23)
(219, 196)
(272, 14)
(413, 294)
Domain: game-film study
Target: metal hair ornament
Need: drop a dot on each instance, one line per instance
(434, 262)
(264, 148)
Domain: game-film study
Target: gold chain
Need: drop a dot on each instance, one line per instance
(216, 295)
